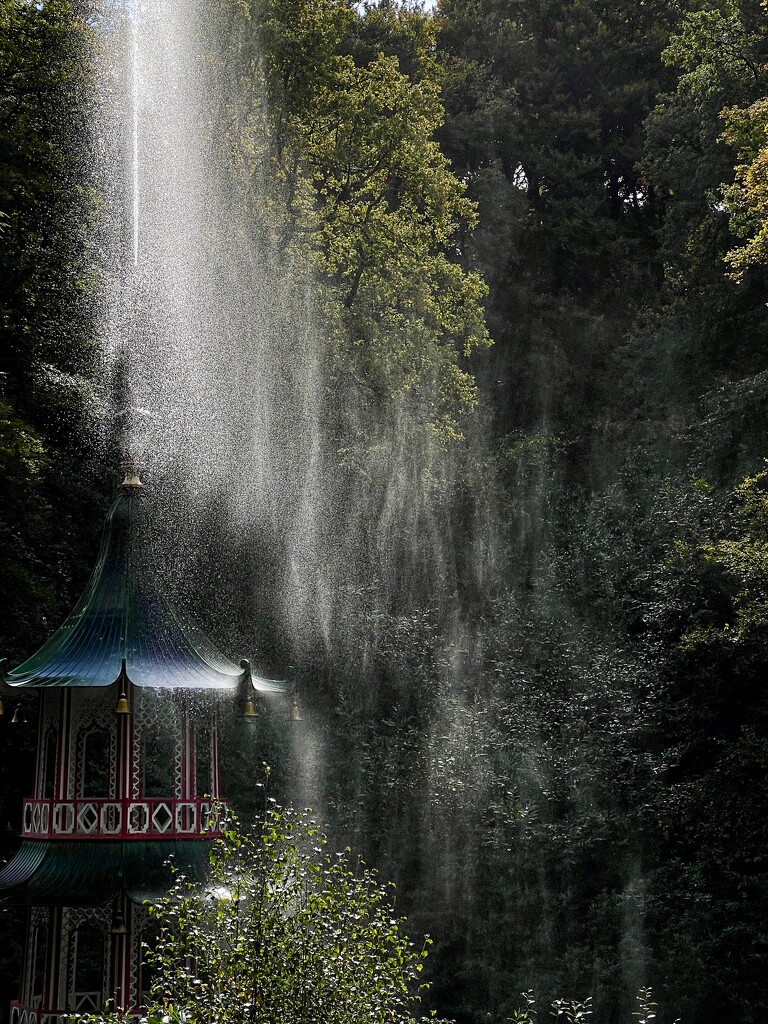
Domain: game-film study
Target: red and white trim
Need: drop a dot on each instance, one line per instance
(104, 818)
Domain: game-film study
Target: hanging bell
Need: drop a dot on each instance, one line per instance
(296, 715)
(18, 716)
(247, 693)
(2, 707)
(119, 927)
(123, 683)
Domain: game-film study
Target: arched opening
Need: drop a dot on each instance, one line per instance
(203, 760)
(87, 969)
(95, 757)
(49, 764)
(37, 963)
(158, 763)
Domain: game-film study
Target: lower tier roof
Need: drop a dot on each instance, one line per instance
(62, 873)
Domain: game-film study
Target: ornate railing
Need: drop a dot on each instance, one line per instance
(21, 1014)
(88, 1002)
(105, 818)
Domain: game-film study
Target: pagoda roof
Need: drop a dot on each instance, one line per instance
(77, 874)
(124, 623)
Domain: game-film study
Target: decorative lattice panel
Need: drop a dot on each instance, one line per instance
(72, 918)
(90, 713)
(51, 716)
(154, 709)
(37, 931)
(141, 924)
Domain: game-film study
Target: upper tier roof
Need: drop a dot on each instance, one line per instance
(124, 616)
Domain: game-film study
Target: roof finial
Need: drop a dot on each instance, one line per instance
(132, 423)
(131, 468)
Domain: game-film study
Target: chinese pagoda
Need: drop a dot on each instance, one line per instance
(129, 699)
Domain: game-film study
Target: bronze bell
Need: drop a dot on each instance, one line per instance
(18, 716)
(123, 682)
(249, 711)
(2, 707)
(119, 927)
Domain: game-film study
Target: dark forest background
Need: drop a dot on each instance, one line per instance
(571, 788)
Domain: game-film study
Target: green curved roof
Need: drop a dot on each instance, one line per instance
(124, 616)
(81, 874)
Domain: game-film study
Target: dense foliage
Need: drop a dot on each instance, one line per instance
(50, 478)
(334, 130)
(556, 738)
(48, 350)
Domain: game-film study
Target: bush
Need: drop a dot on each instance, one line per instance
(283, 931)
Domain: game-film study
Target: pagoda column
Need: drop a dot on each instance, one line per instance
(120, 950)
(215, 781)
(52, 996)
(124, 752)
(122, 908)
(64, 745)
(187, 753)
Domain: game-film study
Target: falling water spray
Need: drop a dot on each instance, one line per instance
(135, 128)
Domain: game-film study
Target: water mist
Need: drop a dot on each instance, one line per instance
(320, 531)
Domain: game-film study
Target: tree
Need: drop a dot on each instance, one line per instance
(555, 94)
(48, 348)
(283, 931)
(545, 110)
(709, 335)
(747, 197)
(720, 53)
(48, 343)
(358, 191)
(708, 621)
